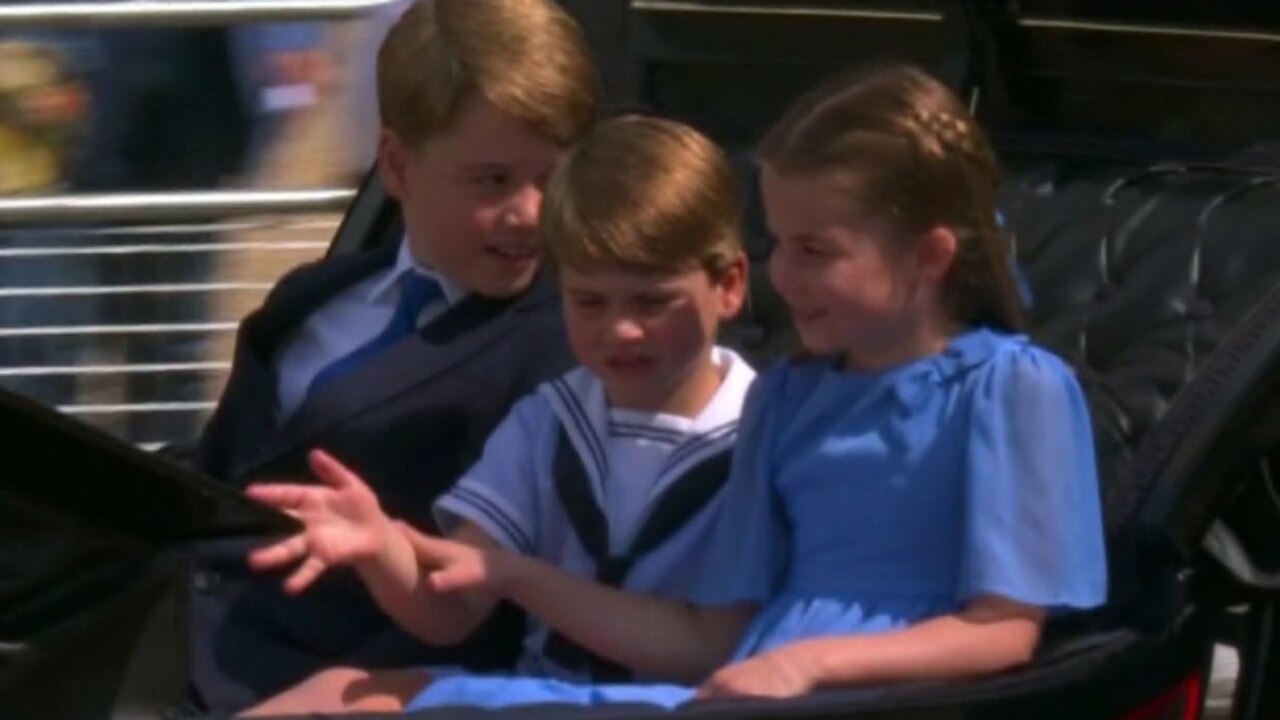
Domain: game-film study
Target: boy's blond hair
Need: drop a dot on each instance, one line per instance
(527, 57)
(644, 194)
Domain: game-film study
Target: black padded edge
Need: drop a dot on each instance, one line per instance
(369, 220)
(1186, 460)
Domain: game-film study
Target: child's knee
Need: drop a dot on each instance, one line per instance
(341, 689)
(384, 690)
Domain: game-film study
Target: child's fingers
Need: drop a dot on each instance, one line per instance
(710, 690)
(720, 685)
(452, 580)
(331, 472)
(306, 574)
(281, 497)
(425, 547)
(282, 553)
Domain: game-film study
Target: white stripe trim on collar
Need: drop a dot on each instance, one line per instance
(578, 401)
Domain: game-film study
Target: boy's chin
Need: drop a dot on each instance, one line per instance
(818, 345)
(498, 287)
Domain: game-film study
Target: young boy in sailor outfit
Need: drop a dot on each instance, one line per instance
(606, 476)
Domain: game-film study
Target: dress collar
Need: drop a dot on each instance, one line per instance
(912, 381)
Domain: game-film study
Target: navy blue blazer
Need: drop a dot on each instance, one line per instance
(410, 421)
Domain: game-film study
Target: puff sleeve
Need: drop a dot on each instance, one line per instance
(1033, 522)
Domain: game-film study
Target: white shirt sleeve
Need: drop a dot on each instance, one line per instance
(500, 493)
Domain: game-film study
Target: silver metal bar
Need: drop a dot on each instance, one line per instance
(32, 236)
(175, 249)
(136, 369)
(115, 408)
(155, 329)
(158, 289)
(1172, 31)
(799, 10)
(326, 222)
(167, 206)
(176, 13)
(274, 222)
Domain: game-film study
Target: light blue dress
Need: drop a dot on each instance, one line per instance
(862, 503)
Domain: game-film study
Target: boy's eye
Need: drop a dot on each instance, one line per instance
(654, 302)
(490, 181)
(812, 249)
(587, 302)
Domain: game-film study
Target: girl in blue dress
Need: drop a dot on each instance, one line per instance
(921, 493)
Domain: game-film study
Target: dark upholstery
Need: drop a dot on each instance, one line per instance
(1137, 274)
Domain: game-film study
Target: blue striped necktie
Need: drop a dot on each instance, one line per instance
(416, 291)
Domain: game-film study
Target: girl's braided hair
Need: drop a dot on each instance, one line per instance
(904, 150)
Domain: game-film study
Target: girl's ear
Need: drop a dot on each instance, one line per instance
(732, 287)
(393, 163)
(936, 252)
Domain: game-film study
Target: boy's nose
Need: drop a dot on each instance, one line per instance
(524, 205)
(627, 330)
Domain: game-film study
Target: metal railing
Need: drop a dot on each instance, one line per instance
(167, 206)
(92, 283)
(177, 13)
(101, 317)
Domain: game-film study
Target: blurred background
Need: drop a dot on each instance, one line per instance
(128, 322)
(124, 316)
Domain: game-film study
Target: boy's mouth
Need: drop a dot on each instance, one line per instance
(514, 253)
(629, 364)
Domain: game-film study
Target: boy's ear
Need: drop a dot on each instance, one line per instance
(732, 285)
(393, 163)
(936, 252)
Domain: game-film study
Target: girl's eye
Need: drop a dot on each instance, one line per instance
(587, 302)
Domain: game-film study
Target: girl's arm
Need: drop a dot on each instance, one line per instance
(990, 635)
(648, 634)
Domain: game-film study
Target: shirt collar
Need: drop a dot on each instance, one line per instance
(384, 287)
(726, 404)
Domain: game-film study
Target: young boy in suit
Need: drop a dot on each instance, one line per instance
(401, 359)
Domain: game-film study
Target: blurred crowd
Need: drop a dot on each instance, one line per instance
(153, 109)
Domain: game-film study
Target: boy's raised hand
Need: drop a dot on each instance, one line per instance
(343, 523)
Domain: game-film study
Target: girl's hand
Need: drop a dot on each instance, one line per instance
(454, 566)
(779, 673)
(344, 524)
